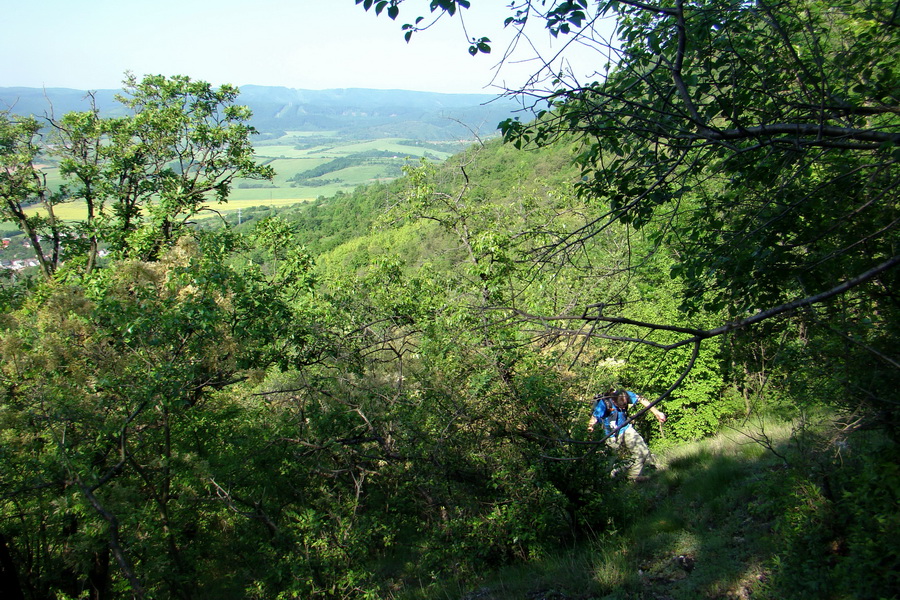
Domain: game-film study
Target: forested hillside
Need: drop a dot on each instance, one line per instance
(386, 393)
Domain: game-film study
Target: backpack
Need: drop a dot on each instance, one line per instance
(616, 409)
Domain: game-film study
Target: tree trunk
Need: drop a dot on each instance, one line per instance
(10, 589)
(98, 577)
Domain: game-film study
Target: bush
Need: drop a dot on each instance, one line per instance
(838, 529)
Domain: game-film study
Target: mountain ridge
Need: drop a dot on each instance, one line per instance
(353, 112)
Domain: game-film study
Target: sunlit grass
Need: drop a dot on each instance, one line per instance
(688, 532)
(75, 211)
(67, 211)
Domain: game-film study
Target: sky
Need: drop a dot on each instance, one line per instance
(303, 44)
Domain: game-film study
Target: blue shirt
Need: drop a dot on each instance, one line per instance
(613, 417)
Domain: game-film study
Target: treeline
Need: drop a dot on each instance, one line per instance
(385, 157)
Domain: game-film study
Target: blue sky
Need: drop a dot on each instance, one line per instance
(307, 44)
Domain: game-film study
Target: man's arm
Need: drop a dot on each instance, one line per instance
(660, 416)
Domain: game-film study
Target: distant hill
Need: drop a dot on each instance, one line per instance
(353, 113)
(58, 101)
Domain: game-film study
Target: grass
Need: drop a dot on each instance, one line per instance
(693, 531)
(285, 168)
(391, 145)
(289, 151)
(241, 199)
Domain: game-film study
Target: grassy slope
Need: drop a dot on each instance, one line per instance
(747, 513)
(698, 505)
(704, 526)
(704, 502)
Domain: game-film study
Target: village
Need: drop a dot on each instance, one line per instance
(11, 247)
(16, 255)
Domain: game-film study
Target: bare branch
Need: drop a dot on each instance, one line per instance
(697, 335)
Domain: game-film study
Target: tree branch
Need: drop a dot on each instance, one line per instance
(818, 132)
(697, 335)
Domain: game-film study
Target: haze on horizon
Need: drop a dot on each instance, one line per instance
(296, 44)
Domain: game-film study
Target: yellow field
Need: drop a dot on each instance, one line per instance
(75, 211)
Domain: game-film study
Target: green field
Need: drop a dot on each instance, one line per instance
(289, 156)
(285, 151)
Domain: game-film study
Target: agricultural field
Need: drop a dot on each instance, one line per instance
(333, 164)
(308, 165)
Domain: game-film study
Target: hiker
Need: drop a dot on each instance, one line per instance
(611, 409)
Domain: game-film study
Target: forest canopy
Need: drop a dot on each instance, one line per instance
(755, 144)
(368, 395)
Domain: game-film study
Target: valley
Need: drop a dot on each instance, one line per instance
(319, 142)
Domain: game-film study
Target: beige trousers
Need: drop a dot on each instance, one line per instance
(633, 451)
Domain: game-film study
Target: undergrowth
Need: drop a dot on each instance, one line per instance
(766, 512)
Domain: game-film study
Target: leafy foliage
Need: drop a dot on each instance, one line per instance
(394, 383)
(110, 401)
(142, 177)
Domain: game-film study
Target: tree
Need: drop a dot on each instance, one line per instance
(127, 447)
(115, 379)
(22, 183)
(184, 145)
(755, 142)
(142, 177)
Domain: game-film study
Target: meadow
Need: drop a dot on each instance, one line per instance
(293, 153)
